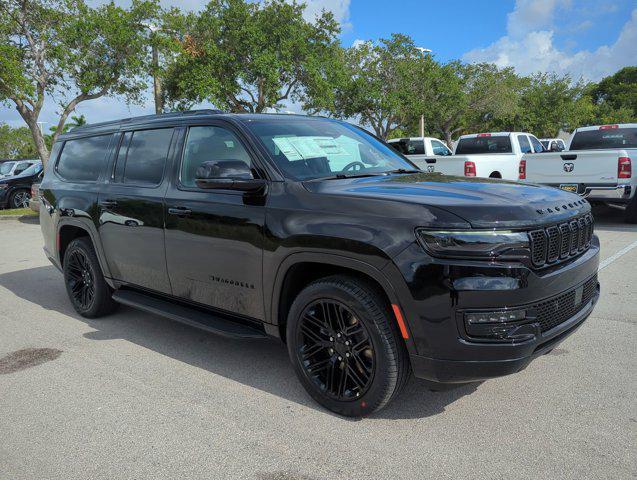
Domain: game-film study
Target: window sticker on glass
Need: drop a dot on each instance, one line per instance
(302, 148)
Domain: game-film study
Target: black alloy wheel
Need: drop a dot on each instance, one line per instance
(80, 279)
(335, 350)
(345, 345)
(89, 293)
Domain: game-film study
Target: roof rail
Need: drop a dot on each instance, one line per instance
(203, 111)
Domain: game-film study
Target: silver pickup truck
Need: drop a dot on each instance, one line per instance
(597, 164)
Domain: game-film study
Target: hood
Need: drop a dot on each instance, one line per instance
(483, 203)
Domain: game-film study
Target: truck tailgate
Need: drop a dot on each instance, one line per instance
(447, 165)
(587, 167)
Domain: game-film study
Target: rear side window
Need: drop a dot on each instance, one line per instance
(607, 138)
(477, 145)
(83, 160)
(141, 158)
(409, 147)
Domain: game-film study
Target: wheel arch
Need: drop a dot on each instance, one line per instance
(495, 174)
(299, 269)
(68, 230)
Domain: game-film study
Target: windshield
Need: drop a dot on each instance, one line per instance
(6, 167)
(603, 139)
(32, 170)
(478, 145)
(545, 143)
(309, 148)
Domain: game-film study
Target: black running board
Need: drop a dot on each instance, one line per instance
(188, 315)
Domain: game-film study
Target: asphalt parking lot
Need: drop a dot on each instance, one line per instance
(137, 396)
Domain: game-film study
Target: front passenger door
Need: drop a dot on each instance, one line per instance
(214, 238)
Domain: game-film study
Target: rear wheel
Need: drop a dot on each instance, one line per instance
(345, 346)
(630, 215)
(19, 199)
(89, 293)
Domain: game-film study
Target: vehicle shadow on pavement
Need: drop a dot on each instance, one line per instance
(611, 220)
(261, 364)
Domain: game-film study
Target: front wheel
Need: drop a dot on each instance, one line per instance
(345, 346)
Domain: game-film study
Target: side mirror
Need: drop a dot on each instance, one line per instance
(227, 175)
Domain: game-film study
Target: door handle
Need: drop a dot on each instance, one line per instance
(108, 203)
(430, 160)
(179, 211)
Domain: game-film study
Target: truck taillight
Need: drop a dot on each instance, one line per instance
(469, 169)
(608, 127)
(522, 174)
(624, 168)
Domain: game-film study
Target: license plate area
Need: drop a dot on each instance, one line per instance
(569, 187)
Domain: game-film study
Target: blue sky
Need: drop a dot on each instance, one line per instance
(582, 38)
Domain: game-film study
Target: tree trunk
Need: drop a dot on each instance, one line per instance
(157, 87)
(38, 138)
(448, 139)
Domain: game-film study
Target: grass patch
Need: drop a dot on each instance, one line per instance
(17, 211)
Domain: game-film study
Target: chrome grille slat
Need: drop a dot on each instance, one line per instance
(559, 242)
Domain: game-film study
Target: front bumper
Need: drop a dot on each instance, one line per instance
(434, 298)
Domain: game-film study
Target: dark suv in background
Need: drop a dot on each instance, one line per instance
(316, 232)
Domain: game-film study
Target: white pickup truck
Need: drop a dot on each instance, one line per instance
(597, 164)
(495, 155)
(429, 154)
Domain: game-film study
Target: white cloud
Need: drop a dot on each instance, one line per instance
(340, 9)
(529, 46)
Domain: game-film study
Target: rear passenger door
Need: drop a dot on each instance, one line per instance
(131, 209)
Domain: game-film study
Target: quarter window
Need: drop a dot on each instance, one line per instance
(142, 157)
(83, 159)
(209, 143)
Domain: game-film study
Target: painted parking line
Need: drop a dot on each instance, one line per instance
(617, 255)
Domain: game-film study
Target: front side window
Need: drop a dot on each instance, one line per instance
(311, 148)
(142, 157)
(439, 148)
(537, 145)
(209, 144)
(525, 146)
(83, 159)
(484, 144)
(6, 167)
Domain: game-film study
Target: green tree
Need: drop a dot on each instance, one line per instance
(247, 56)
(617, 92)
(76, 121)
(377, 84)
(458, 97)
(69, 51)
(16, 143)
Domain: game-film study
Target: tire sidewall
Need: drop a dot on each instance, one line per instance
(13, 196)
(381, 385)
(82, 245)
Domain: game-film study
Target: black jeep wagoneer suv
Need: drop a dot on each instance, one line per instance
(314, 231)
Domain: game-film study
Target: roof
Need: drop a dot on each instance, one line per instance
(611, 126)
(104, 127)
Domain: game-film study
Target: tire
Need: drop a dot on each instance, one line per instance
(375, 358)
(19, 199)
(630, 215)
(83, 278)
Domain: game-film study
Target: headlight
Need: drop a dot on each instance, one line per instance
(481, 244)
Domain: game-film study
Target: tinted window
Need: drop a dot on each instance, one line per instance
(477, 145)
(545, 143)
(318, 148)
(439, 148)
(525, 146)
(145, 157)
(6, 167)
(608, 138)
(409, 147)
(208, 143)
(83, 159)
(537, 146)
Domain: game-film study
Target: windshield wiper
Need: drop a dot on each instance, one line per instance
(402, 170)
(341, 176)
